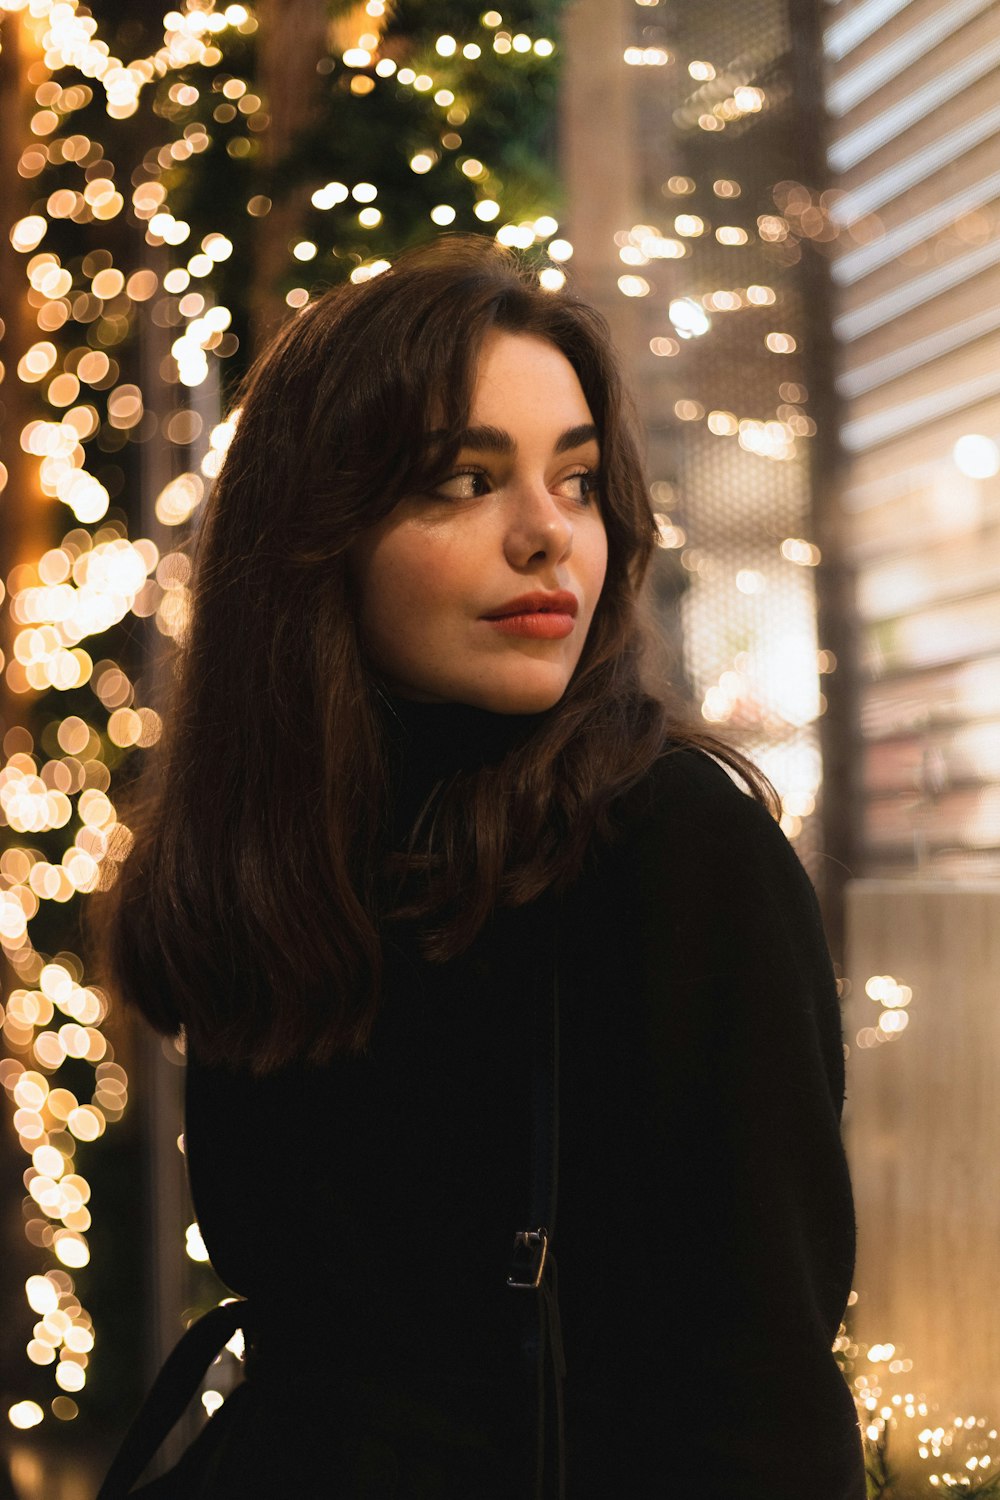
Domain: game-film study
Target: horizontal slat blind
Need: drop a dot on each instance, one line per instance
(913, 96)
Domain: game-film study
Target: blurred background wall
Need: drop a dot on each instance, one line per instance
(914, 152)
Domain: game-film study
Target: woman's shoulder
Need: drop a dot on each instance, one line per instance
(699, 864)
(688, 826)
(686, 793)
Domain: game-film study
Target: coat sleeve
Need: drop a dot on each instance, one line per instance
(739, 1023)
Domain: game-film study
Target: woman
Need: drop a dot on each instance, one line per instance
(414, 800)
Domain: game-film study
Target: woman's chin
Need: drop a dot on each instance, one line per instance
(517, 698)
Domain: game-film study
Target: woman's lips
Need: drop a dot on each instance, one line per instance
(542, 614)
(549, 625)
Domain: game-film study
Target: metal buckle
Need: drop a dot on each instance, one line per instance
(528, 1259)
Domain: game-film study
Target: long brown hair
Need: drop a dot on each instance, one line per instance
(250, 907)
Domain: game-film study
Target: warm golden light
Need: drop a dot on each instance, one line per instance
(25, 1414)
(89, 397)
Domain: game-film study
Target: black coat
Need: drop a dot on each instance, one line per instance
(705, 1238)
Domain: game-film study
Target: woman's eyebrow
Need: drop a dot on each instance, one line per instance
(496, 440)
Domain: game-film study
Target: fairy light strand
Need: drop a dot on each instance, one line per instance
(77, 590)
(87, 311)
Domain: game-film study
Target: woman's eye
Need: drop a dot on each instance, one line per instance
(470, 484)
(586, 485)
(466, 485)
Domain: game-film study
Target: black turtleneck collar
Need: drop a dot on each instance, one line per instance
(459, 735)
(431, 742)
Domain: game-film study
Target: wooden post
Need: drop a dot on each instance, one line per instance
(25, 533)
(599, 159)
(28, 527)
(293, 40)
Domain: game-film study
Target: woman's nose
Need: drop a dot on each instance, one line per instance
(539, 529)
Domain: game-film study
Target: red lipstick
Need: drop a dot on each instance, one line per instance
(542, 615)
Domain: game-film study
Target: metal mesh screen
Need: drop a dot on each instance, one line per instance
(724, 386)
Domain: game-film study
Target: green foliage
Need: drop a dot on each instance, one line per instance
(502, 115)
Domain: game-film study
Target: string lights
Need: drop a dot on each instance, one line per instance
(73, 593)
(115, 248)
(958, 1458)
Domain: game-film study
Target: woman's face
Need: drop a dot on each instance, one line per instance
(483, 591)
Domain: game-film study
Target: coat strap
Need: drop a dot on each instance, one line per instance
(172, 1390)
(533, 1266)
